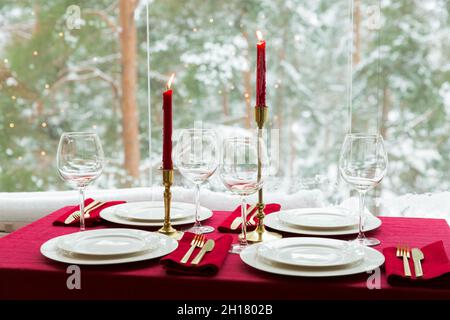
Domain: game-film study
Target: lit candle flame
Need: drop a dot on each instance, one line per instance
(260, 36)
(169, 83)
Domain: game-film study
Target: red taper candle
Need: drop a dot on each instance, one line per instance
(260, 71)
(167, 163)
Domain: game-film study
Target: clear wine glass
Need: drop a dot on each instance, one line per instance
(363, 164)
(196, 156)
(239, 174)
(80, 161)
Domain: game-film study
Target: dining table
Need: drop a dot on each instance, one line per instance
(27, 275)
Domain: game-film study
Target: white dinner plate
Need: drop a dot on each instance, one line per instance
(50, 250)
(372, 260)
(153, 210)
(272, 221)
(310, 252)
(110, 215)
(108, 242)
(319, 218)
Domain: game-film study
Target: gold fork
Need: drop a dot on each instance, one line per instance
(251, 221)
(197, 241)
(76, 215)
(404, 252)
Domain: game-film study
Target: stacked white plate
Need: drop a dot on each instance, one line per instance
(327, 221)
(108, 246)
(312, 257)
(151, 213)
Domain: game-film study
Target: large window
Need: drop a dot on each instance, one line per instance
(401, 81)
(377, 65)
(72, 66)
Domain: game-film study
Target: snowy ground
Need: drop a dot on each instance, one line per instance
(429, 205)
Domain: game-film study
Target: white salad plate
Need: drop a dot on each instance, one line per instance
(310, 252)
(108, 242)
(272, 221)
(372, 259)
(109, 214)
(319, 218)
(164, 246)
(153, 211)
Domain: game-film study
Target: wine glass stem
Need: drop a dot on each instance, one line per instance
(197, 205)
(362, 198)
(243, 238)
(81, 195)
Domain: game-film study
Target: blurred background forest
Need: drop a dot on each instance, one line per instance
(82, 65)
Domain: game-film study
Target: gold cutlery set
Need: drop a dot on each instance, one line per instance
(251, 222)
(403, 251)
(87, 210)
(199, 241)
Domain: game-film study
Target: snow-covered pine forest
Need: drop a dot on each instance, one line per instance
(68, 70)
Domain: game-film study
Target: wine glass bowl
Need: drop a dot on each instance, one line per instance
(80, 158)
(363, 164)
(363, 175)
(80, 173)
(242, 187)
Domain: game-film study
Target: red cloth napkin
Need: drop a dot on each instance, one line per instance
(226, 224)
(435, 266)
(94, 218)
(208, 266)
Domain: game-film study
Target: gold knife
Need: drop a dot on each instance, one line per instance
(209, 245)
(71, 218)
(236, 223)
(87, 213)
(417, 255)
(252, 217)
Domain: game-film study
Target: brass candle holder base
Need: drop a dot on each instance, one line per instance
(167, 228)
(171, 232)
(260, 234)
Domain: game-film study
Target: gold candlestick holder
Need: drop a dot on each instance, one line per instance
(260, 234)
(167, 228)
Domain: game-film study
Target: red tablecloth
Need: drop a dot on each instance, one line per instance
(25, 274)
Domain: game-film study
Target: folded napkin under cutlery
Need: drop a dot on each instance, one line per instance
(94, 216)
(435, 266)
(225, 226)
(209, 264)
